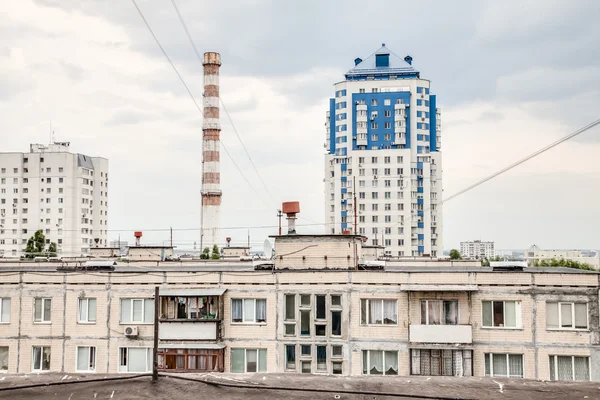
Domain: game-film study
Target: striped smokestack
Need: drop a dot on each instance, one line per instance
(211, 130)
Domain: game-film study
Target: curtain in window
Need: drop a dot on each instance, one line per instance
(236, 310)
(46, 359)
(363, 311)
(451, 312)
(467, 357)
(5, 317)
(376, 365)
(249, 310)
(92, 310)
(47, 309)
(3, 358)
(138, 308)
(149, 310)
(83, 357)
(261, 310)
(487, 313)
(434, 308)
(137, 359)
(499, 364)
(83, 314)
(580, 315)
(510, 314)
(425, 362)
(566, 315)
(37, 358)
(552, 315)
(38, 309)
(515, 365)
(488, 371)
(375, 312)
(415, 362)
(262, 360)
(436, 362)
(391, 363)
(565, 368)
(251, 360)
(447, 363)
(237, 360)
(552, 367)
(582, 368)
(390, 312)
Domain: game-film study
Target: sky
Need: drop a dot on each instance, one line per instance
(511, 77)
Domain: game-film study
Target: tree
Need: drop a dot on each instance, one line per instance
(52, 250)
(553, 262)
(455, 255)
(205, 255)
(215, 253)
(35, 244)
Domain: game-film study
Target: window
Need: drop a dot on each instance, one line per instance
(337, 367)
(374, 102)
(137, 310)
(305, 350)
(336, 323)
(5, 310)
(249, 311)
(42, 309)
(439, 312)
(501, 314)
(435, 362)
(561, 315)
(377, 362)
(87, 311)
(60, 169)
(305, 300)
(336, 301)
(306, 366)
(135, 359)
(86, 359)
(508, 365)
(321, 358)
(305, 323)
(3, 358)
(40, 358)
(378, 312)
(248, 360)
(320, 307)
(290, 357)
(569, 368)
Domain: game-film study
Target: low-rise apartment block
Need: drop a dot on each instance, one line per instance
(477, 249)
(315, 308)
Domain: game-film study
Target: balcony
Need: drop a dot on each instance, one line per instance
(459, 334)
(188, 330)
(399, 138)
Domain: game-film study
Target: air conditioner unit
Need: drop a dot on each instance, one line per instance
(131, 331)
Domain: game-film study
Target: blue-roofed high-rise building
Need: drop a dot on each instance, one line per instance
(384, 149)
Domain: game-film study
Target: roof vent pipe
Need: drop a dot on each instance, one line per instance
(290, 209)
(357, 61)
(408, 60)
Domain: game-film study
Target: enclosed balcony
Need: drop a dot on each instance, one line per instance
(190, 314)
(459, 334)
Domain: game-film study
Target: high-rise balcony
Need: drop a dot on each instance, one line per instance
(460, 334)
(399, 138)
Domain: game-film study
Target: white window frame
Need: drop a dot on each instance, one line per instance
(90, 361)
(383, 360)
(43, 316)
(572, 328)
(518, 316)
(131, 321)
(246, 350)
(508, 375)
(4, 300)
(87, 300)
(250, 322)
(124, 368)
(555, 356)
(41, 358)
(382, 315)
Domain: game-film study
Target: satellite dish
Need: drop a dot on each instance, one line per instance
(268, 249)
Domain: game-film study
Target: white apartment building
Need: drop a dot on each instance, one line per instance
(535, 253)
(65, 194)
(383, 147)
(477, 249)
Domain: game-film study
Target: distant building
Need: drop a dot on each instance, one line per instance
(119, 243)
(383, 148)
(534, 253)
(62, 193)
(477, 249)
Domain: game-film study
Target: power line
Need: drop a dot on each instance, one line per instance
(187, 32)
(193, 98)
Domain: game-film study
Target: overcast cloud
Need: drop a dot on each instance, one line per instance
(510, 77)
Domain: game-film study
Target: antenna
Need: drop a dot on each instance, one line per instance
(268, 249)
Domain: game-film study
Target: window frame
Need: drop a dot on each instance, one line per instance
(258, 363)
(7, 357)
(8, 300)
(368, 308)
(383, 372)
(87, 300)
(43, 315)
(249, 322)
(518, 315)
(41, 369)
(120, 366)
(555, 357)
(508, 375)
(573, 327)
(131, 321)
(442, 311)
(89, 354)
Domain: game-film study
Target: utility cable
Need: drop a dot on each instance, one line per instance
(187, 32)
(194, 99)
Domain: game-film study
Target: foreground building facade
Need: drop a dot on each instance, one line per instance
(383, 147)
(310, 311)
(62, 193)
